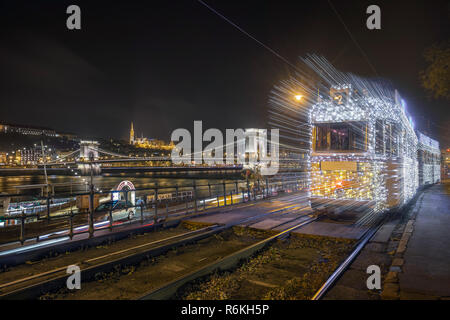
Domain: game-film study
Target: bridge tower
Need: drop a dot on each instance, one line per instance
(88, 150)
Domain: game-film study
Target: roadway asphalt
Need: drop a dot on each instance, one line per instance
(279, 211)
(286, 211)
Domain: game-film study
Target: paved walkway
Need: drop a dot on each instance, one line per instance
(284, 212)
(266, 215)
(336, 230)
(413, 254)
(426, 267)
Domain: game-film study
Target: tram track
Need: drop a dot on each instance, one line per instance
(33, 286)
(359, 246)
(168, 290)
(346, 263)
(226, 271)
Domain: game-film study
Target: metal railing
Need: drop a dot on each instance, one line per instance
(152, 205)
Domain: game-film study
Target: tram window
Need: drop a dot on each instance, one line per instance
(379, 139)
(394, 136)
(345, 136)
(388, 138)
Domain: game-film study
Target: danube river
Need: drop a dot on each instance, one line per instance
(9, 184)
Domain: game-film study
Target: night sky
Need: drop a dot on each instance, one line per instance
(164, 64)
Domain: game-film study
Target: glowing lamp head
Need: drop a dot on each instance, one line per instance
(298, 97)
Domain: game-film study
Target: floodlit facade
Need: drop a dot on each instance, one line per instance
(27, 130)
(146, 143)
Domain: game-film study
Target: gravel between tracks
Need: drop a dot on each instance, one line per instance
(130, 282)
(291, 269)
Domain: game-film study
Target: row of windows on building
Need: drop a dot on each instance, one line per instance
(4, 128)
(24, 157)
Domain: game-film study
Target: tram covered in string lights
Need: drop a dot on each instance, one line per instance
(429, 160)
(365, 154)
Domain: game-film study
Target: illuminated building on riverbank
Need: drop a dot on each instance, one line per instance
(146, 143)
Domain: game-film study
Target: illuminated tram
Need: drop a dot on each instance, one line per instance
(364, 152)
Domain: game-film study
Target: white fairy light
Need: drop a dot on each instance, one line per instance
(381, 169)
(387, 177)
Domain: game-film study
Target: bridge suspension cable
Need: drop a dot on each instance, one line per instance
(108, 152)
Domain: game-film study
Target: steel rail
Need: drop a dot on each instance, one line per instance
(32, 290)
(168, 290)
(361, 244)
(15, 282)
(345, 264)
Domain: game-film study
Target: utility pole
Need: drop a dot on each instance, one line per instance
(91, 199)
(45, 167)
(46, 180)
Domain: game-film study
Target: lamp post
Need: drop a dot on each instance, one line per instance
(91, 199)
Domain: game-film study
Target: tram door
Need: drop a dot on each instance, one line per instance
(394, 183)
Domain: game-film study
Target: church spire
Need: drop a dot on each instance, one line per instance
(132, 134)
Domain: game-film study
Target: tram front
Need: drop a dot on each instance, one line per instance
(346, 178)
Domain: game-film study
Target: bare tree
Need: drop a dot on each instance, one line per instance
(436, 77)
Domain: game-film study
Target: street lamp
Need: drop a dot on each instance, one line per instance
(298, 97)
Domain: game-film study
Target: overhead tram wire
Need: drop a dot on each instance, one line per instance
(279, 55)
(353, 38)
